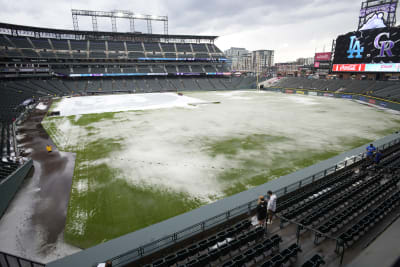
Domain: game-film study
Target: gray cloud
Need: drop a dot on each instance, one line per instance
(294, 28)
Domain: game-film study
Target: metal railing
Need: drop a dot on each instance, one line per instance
(340, 245)
(246, 208)
(9, 260)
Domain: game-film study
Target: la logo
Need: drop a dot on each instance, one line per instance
(355, 48)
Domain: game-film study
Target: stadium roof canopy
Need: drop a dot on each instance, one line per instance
(38, 32)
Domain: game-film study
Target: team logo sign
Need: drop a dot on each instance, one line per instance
(355, 48)
(384, 46)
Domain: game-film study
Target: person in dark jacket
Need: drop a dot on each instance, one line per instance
(261, 210)
(378, 157)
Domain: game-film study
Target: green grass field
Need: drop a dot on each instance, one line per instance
(104, 201)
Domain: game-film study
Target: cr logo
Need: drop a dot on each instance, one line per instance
(384, 46)
(355, 48)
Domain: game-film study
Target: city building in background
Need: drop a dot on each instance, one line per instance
(262, 60)
(309, 61)
(234, 56)
(257, 62)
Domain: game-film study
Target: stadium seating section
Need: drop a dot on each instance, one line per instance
(32, 48)
(383, 89)
(60, 58)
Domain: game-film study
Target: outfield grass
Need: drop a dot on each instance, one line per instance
(116, 207)
(104, 205)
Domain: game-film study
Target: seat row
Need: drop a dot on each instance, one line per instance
(365, 201)
(391, 160)
(332, 194)
(299, 195)
(196, 259)
(250, 255)
(315, 261)
(227, 236)
(283, 257)
(331, 204)
(369, 220)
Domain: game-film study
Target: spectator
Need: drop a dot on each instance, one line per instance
(378, 157)
(370, 150)
(271, 206)
(261, 210)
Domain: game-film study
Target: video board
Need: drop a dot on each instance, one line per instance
(372, 46)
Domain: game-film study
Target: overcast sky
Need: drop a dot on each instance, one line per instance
(293, 28)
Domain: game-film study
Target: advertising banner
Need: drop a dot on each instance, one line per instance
(389, 67)
(148, 74)
(323, 56)
(347, 96)
(348, 67)
(387, 8)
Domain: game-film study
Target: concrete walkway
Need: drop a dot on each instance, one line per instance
(34, 223)
(383, 252)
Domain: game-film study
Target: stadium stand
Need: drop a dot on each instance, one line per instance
(384, 89)
(97, 45)
(200, 48)
(60, 44)
(78, 45)
(20, 42)
(183, 48)
(41, 43)
(168, 47)
(134, 46)
(78, 63)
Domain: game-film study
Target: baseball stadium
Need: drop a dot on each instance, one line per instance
(144, 149)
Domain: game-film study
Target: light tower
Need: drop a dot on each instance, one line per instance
(120, 14)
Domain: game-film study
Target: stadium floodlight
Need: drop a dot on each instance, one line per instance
(118, 14)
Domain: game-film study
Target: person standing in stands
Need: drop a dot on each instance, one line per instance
(370, 150)
(261, 210)
(271, 206)
(378, 157)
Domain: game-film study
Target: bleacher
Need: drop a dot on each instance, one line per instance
(168, 47)
(383, 89)
(317, 224)
(183, 48)
(59, 59)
